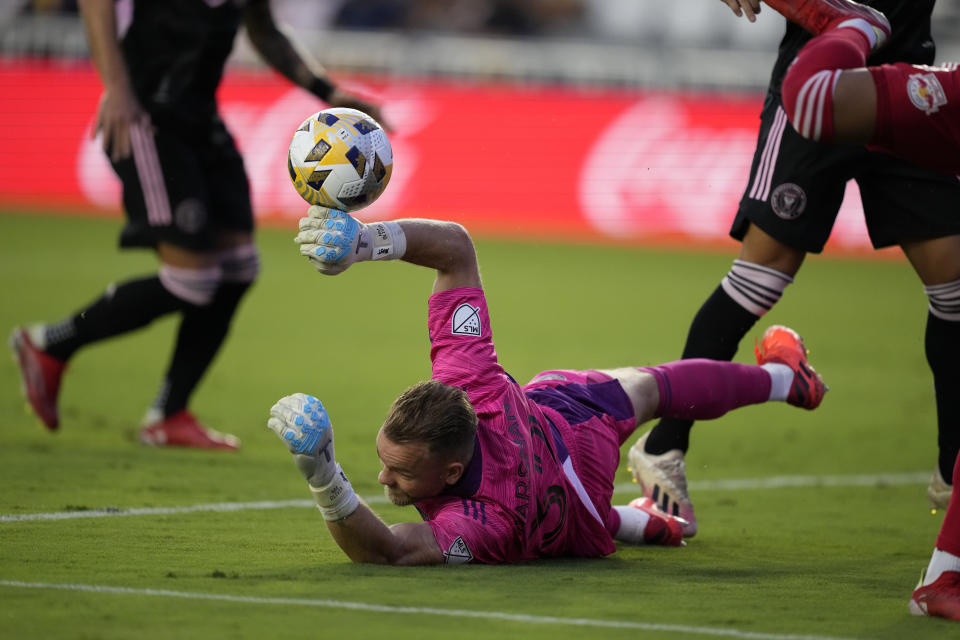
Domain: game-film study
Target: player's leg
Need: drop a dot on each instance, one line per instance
(600, 417)
(702, 389)
(830, 96)
(43, 350)
(822, 16)
(937, 262)
(643, 522)
(916, 208)
(167, 422)
(204, 328)
(938, 593)
(823, 101)
(787, 210)
(918, 113)
(755, 282)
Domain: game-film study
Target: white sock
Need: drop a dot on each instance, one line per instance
(865, 27)
(781, 378)
(38, 336)
(940, 561)
(632, 523)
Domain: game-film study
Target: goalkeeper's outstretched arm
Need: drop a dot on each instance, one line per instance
(302, 423)
(333, 240)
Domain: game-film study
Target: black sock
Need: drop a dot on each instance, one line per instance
(201, 334)
(716, 332)
(943, 354)
(128, 306)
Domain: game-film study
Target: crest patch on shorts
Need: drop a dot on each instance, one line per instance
(458, 553)
(788, 201)
(466, 321)
(926, 93)
(190, 216)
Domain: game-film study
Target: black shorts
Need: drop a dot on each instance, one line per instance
(797, 185)
(183, 184)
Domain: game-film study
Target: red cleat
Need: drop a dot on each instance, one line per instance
(41, 375)
(782, 345)
(662, 528)
(183, 430)
(817, 16)
(940, 598)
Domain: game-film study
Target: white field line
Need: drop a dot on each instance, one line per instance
(431, 611)
(774, 482)
(782, 482)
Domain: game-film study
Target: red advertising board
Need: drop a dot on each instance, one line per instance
(598, 165)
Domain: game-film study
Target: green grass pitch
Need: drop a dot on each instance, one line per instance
(814, 560)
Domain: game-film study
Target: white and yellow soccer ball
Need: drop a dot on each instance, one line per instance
(341, 159)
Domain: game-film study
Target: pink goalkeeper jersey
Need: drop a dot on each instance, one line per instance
(515, 501)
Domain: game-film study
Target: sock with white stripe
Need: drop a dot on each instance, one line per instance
(122, 308)
(716, 332)
(754, 287)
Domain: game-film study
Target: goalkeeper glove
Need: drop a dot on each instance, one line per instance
(302, 423)
(333, 240)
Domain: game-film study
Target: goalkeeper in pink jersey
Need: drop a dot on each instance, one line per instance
(502, 472)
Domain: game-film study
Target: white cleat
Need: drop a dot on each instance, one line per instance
(663, 479)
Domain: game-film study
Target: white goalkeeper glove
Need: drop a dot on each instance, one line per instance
(304, 426)
(333, 240)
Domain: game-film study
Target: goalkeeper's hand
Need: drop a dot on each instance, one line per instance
(304, 426)
(333, 240)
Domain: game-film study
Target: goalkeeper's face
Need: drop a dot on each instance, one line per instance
(411, 473)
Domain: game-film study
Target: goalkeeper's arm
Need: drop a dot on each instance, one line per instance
(365, 538)
(302, 423)
(333, 240)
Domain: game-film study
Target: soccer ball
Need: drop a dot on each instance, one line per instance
(341, 159)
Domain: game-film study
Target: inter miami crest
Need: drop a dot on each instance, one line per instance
(788, 201)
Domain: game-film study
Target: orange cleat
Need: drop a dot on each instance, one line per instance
(183, 430)
(782, 345)
(41, 375)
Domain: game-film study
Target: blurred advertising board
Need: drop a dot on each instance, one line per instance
(552, 163)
